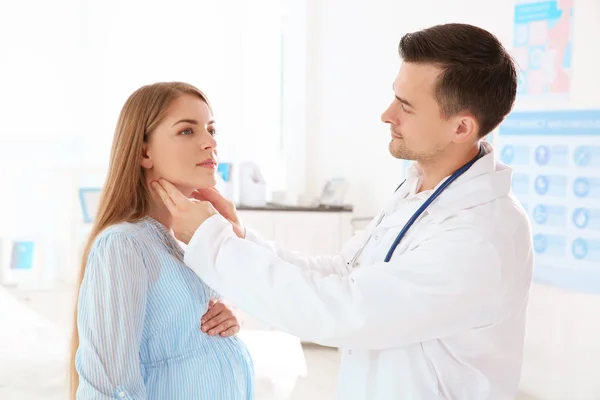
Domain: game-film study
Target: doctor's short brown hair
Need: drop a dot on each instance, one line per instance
(478, 75)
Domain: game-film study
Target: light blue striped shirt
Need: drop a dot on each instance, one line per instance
(139, 314)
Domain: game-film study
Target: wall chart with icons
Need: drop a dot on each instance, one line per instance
(555, 157)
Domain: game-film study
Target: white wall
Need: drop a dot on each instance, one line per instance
(67, 67)
(352, 63)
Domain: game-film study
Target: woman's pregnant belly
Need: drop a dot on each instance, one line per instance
(213, 368)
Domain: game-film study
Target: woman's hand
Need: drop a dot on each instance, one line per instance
(225, 207)
(220, 319)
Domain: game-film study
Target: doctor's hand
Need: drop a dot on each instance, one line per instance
(220, 319)
(225, 207)
(187, 214)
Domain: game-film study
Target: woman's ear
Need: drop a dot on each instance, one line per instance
(146, 162)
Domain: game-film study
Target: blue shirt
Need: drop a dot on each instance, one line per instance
(138, 318)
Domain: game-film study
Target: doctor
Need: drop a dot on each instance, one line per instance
(430, 302)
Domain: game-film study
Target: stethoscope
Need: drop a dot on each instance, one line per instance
(421, 209)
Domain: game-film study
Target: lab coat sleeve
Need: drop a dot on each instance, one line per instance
(337, 264)
(445, 285)
(110, 315)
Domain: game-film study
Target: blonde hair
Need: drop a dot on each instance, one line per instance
(125, 195)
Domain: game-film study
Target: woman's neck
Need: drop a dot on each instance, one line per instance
(159, 211)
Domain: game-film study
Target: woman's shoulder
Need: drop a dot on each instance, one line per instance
(117, 253)
(121, 235)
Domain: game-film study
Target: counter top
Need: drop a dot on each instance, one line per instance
(283, 207)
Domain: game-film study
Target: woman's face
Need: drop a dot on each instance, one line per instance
(182, 149)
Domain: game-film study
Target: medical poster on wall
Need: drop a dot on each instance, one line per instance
(555, 156)
(543, 45)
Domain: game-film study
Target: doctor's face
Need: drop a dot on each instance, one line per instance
(418, 131)
(182, 149)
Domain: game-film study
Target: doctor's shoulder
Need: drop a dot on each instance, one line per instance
(501, 218)
(501, 223)
(507, 217)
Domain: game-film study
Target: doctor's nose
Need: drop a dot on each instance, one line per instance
(389, 117)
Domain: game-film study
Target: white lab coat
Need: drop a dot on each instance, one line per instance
(444, 319)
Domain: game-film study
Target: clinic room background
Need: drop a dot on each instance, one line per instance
(298, 87)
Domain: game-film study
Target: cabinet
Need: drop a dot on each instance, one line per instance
(314, 231)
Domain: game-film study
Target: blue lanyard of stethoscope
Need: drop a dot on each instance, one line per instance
(430, 200)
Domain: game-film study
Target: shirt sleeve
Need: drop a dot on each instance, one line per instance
(448, 284)
(110, 316)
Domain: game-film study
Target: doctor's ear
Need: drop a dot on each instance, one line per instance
(146, 162)
(466, 128)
